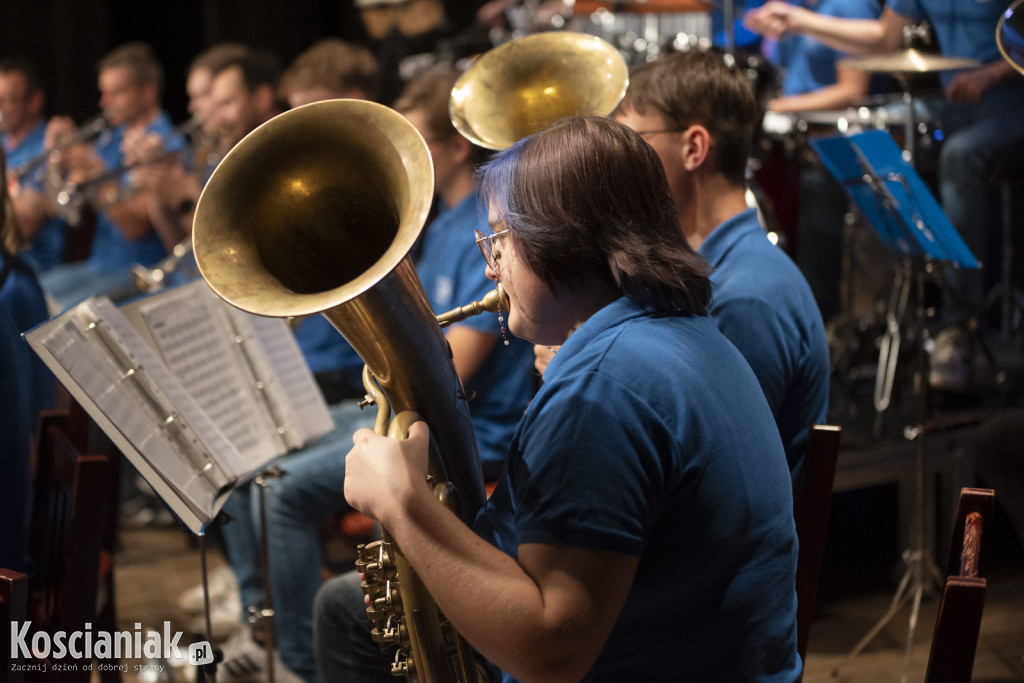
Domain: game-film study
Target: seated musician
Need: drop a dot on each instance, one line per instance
(173, 183)
(26, 385)
(130, 81)
(22, 132)
(636, 533)
(980, 111)
(495, 374)
(330, 69)
(814, 80)
(699, 114)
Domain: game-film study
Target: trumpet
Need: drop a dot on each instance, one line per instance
(87, 132)
(149, 280)
(69, 197)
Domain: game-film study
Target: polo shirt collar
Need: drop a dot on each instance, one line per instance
(617, 312)
(724, 237)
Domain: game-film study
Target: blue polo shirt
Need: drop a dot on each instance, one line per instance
(23, 299)
(650, 437)
(16, 424)
(963, 28)
(810, 65)
(453, 274)
(47, 246)
(762, 304)
(110, 251)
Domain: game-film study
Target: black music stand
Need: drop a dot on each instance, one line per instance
(899, 206)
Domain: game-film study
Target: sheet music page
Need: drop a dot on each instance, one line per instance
(132, 395)
(295, 382)
(187, 328)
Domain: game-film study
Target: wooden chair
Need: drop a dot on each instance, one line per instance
(72, 492)
(812, 522)
(13, 601)
(959, 620)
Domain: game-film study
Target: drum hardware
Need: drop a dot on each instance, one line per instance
(905, 320)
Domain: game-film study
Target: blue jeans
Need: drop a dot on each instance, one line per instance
(311, 489)
(978, 142)
(345, 652)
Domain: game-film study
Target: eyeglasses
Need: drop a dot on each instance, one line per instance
(486, 244)
(642, 133)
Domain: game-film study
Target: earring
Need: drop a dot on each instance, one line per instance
(501, 318)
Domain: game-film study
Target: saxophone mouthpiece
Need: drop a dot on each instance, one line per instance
(495, 300)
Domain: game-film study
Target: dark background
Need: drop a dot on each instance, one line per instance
(67, 37)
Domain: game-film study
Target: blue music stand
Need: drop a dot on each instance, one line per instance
(895, 201)
(893, 198)
(904, 213)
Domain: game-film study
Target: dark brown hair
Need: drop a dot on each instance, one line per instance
(588, 198)
(141, 62)
(212, 58)
(333, 64)
(698, 87)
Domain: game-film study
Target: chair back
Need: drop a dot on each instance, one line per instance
(71, 495)
(812, 522)
(958, 623)
(13, 602)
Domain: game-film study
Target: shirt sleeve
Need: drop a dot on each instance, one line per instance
(757, 330)
(590, 473)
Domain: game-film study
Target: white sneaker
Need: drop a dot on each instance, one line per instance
(950, 360)
(245, 661)
(225, 619)
(222, 584)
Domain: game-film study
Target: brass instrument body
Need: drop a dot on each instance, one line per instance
(313, 212)
(87, 132)
(70, 197)
(527, 84)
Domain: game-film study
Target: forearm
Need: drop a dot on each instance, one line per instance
(30, 212)
(169, 223)
(520, 631)
(839, 95)
(852, 36)
(131, 215)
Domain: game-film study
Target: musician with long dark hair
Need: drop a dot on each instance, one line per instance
(642, 528)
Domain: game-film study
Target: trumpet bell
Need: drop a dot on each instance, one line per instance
(526, 85)
(338, 177)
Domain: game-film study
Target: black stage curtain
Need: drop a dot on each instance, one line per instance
(67, 37)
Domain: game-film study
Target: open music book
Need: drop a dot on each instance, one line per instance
(197, 394)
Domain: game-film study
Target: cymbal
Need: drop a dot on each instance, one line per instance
(1010, 35)
(908, 62)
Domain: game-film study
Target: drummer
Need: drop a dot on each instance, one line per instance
(980, 111)
(813, 80)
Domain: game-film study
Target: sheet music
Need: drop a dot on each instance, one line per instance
(188, 330)
(125, 387)
(299, 390)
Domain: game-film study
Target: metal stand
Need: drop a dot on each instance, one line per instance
(921, 573)
(888, 354)
(266, 614)
(207, 672)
